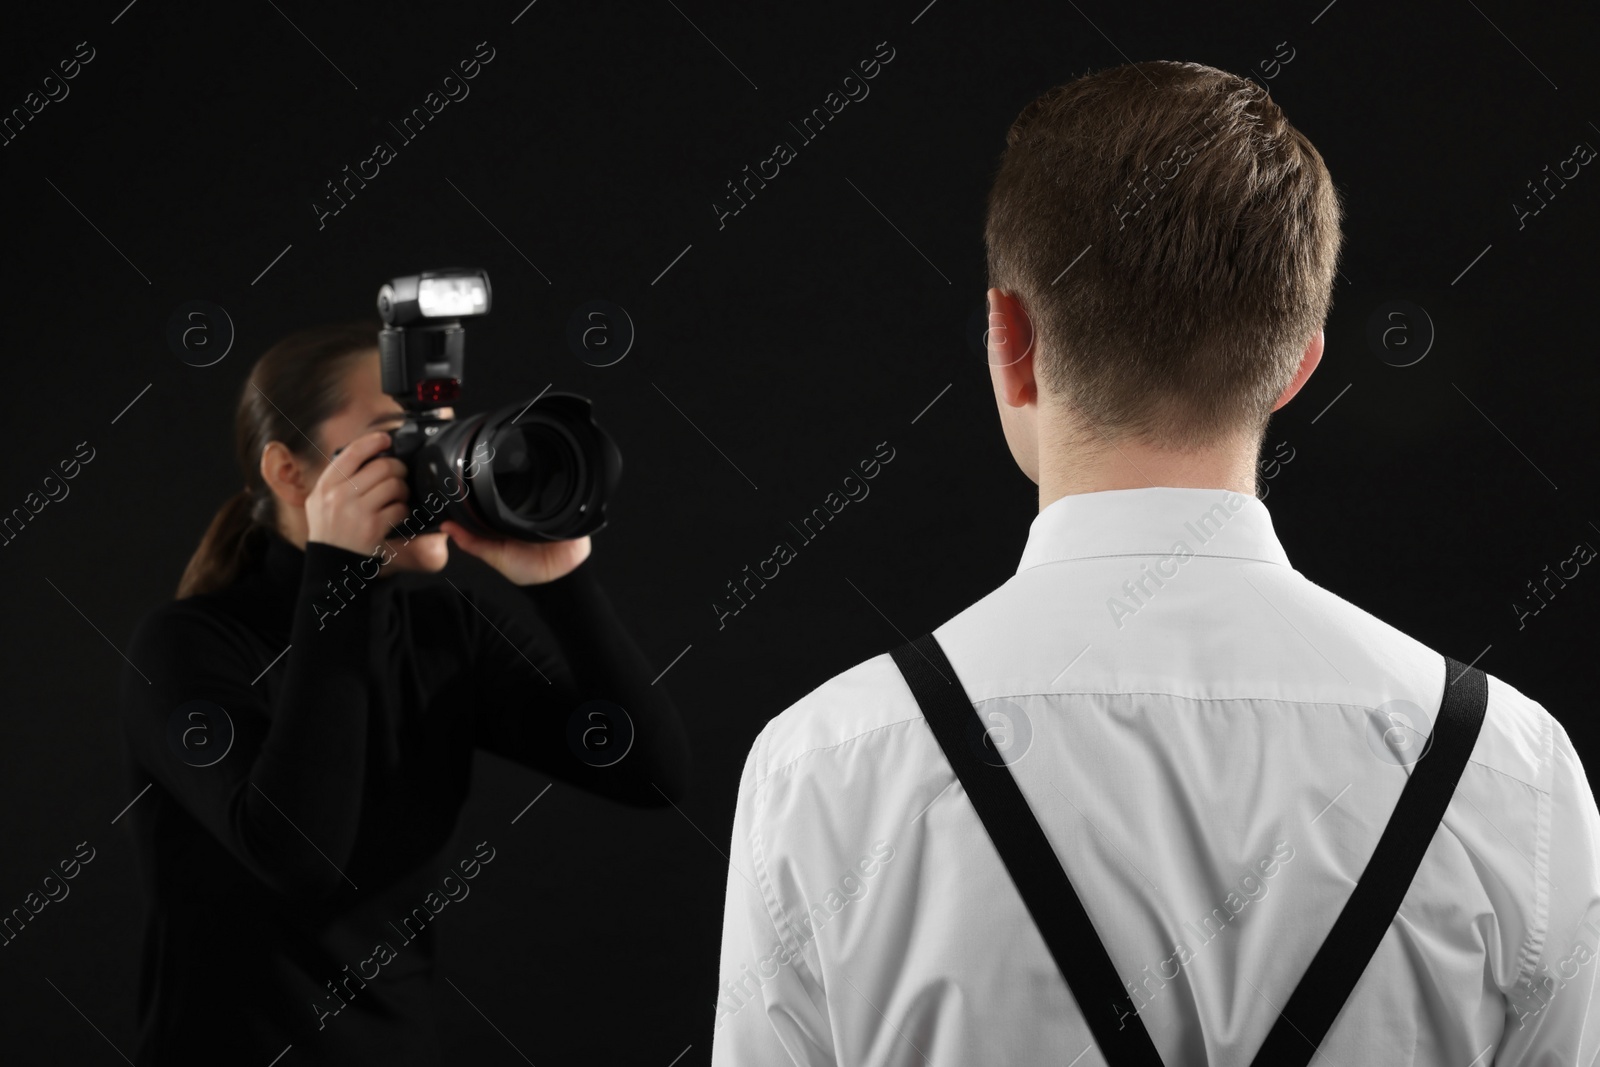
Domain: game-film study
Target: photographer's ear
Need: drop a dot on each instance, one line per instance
(286, 474)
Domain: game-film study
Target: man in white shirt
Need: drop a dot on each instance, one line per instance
(1211, 742)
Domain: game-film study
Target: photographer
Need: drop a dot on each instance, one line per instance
(309, 765)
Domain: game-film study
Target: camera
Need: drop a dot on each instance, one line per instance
(536, 470)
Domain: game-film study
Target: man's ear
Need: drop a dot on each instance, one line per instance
(285, 474)
(1308, 363)
(1009, 341)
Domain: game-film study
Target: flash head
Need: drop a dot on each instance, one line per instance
(434, 294)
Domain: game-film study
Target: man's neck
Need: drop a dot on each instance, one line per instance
(1128, 465)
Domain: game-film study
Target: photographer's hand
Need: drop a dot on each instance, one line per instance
(522, 562)
(359, 496)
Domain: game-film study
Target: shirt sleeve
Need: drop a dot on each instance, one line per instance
(590, 712)
(285, 798)
(1553, 1014)
(771, 1009)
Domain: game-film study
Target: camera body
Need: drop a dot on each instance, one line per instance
(536, 470)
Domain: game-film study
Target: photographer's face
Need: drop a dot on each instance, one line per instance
(370, 408)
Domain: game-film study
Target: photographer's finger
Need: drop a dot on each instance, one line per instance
(392, 515)
(357, 452)
(378, 472)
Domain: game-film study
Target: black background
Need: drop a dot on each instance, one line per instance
(773, 355)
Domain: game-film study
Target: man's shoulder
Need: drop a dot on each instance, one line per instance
(1517, 735)
(850, 707)
(865, 705)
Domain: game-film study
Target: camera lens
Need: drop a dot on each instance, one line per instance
(536, 469)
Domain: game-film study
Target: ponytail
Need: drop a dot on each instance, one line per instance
(298, 382)
(230, 543)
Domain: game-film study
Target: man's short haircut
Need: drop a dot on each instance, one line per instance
(1174, 240)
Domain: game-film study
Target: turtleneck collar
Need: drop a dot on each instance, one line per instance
(278, 571)
(283, 560)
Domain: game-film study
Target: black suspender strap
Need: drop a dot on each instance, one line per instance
(1027, 854)
(1356, 933)
(1067, 930)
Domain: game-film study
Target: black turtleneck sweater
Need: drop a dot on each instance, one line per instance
(274, 874)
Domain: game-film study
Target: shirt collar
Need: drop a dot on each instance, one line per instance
(1153, 521)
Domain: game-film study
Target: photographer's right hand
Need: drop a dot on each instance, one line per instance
(359, 498)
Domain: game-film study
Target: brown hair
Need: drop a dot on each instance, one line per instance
(295, 385)
(1174, 240)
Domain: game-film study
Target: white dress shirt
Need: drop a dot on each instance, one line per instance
(1213, 744)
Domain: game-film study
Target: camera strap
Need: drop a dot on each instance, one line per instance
(1070, 935)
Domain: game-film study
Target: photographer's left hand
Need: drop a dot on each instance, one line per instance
(522, 562)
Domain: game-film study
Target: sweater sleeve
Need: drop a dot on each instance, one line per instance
(592, 713)
(280, 785)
